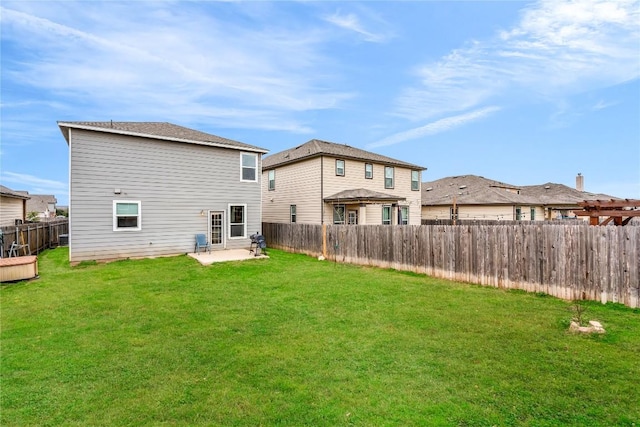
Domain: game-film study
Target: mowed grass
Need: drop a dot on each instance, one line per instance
(293, 341)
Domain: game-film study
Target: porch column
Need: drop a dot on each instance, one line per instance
(362, 214)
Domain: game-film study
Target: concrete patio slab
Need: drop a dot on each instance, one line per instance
(206, 258)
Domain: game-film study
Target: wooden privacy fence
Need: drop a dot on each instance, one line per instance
(573, 261)
(38, 235)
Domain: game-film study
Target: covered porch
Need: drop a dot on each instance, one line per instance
(361, 206)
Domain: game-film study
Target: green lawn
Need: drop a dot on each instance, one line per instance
(293, 341)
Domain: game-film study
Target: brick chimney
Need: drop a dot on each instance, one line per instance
(580, 182)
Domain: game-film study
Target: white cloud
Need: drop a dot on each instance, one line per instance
(352, 22)
(438, 126)
(557, 49)
(152, 57)
(601, 105)
(34, 184)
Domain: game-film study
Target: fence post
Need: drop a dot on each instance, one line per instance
(324, 241)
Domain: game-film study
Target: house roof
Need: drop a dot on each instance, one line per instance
(362, 195)
(477, 190)
(316, 148)
(472, 190)
(7, 192)
(40, 202)
(158, 130)
(559, 194)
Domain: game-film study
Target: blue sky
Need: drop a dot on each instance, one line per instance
(521, 92)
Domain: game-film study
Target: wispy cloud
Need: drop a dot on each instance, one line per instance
(152, 58)
(353, 22)
(601, 105)
(34, 184)
(438, 126)
(556, 49)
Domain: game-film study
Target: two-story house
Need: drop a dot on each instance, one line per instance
(472, 197)
(322, 182)
(140, 189)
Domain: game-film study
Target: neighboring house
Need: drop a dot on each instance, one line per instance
(13, 206)
(42, 204)
(559, 201)
(322, 182)
(472, 197)
(141, 189)
(479, 198)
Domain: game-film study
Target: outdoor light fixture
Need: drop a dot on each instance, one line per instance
(202, 212)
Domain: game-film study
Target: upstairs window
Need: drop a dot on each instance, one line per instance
(415, 180)
(368, 171)
(340, 167)
(127, 215)
(249, 167)
(388, 177)
(272, 179)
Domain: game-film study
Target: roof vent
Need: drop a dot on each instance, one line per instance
(462, 187)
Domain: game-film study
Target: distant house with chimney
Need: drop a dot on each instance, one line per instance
(471, 197)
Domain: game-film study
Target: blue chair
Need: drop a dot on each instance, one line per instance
(202, 243)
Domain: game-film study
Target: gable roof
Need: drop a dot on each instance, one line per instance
(557, 194)
(471, 190)
(7, 192)
(40, 202)
(158, 130)
(316, 148)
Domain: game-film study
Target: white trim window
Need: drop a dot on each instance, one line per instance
(338, 214)
(368, 171)
(386, 215)
(248, 167)
(404, 215)
(127, 215)
(293, 213)
(388, 177)
(272, 179)
(339, 167)
(237, 221)
(415, 180)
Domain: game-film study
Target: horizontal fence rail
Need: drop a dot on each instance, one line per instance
(572, 261)
(38, 235)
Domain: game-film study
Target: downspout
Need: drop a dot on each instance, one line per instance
(321, 189)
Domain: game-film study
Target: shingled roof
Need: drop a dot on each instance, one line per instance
(316, 148)
(558, 194)
(158, 130)
(7, 192)
(472, 190)
(40, 202)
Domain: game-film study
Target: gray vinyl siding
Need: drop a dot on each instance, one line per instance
(174, 182)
